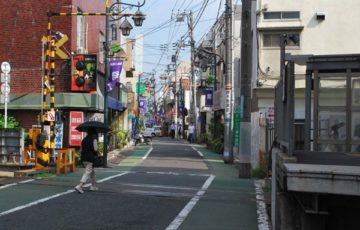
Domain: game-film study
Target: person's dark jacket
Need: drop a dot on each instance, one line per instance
(87, 149)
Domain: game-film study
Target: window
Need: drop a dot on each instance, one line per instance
(80, 29)
(355, 87)
(101, 47)
(273, 40)
(113, 32)
(281, 15)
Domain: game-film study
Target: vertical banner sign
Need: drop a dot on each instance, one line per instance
(228, 89)
(83, 72)
(115, 71)
(208, 96)
(59, 133)
(75, 137)
(133, 128)
(142, 104)
(236, 128)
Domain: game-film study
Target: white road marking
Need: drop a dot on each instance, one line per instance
(13, 184)
(7, 185)
(189, 206)
(42, 200)
(26, 181)
(34, 203)
(159, 186)
(147, 154)
(198, 152)
(176, 174)
(111, 177)
(263, 219)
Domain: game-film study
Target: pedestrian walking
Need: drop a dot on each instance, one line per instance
(172, 130)
(89, 149)
(191, 130)
(179, 130)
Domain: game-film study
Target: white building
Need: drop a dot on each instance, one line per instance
(322, 27)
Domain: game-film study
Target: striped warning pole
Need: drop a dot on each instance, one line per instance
(43, 154)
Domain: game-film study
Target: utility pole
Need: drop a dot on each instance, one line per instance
(228, 156)
(176, 100)
(106, 75)
(247, 62)
(193, 80)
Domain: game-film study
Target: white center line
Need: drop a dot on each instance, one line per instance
(190, 205)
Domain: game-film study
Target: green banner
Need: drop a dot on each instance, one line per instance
(236, 128)
(140, 88)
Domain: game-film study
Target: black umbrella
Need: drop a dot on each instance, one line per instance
(96, 126)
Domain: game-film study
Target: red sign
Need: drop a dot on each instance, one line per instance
(75, 137)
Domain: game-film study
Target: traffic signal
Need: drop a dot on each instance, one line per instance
(84, 72)
(80, 66)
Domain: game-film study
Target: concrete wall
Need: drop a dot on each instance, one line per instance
(334, 35)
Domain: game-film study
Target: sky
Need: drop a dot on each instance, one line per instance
(161, 30)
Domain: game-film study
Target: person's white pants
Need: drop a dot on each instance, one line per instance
(89, 173)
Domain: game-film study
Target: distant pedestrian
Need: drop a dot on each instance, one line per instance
(89, 149)
(172, 130)
(191, 130)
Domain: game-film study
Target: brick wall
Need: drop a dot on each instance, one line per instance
(26, 118)
(23, 24)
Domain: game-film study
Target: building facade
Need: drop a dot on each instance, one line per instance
(22, 42)
(318, 29)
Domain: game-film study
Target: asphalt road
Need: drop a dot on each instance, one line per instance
(169, 185)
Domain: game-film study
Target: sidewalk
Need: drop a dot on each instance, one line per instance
(236, 210)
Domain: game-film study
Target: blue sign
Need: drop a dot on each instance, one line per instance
(59, 133)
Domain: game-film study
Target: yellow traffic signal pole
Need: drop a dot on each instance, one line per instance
(45, 148)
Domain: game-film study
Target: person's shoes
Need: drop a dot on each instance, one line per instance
(79, 189)
(93, 188)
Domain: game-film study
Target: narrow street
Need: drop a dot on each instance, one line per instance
(169, 185)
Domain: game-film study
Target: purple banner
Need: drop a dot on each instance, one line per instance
(115, 70)
(142, 104)
(133, 128)
(209, 96)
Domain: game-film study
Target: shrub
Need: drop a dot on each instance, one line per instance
(204, 138)
(258, 173)
(121, 138)
(11, 122)
(216, 145)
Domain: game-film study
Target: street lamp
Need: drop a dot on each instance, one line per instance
(284, 40)
(200, 52)
(125, 27)
(115, 13)
(138, 18)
